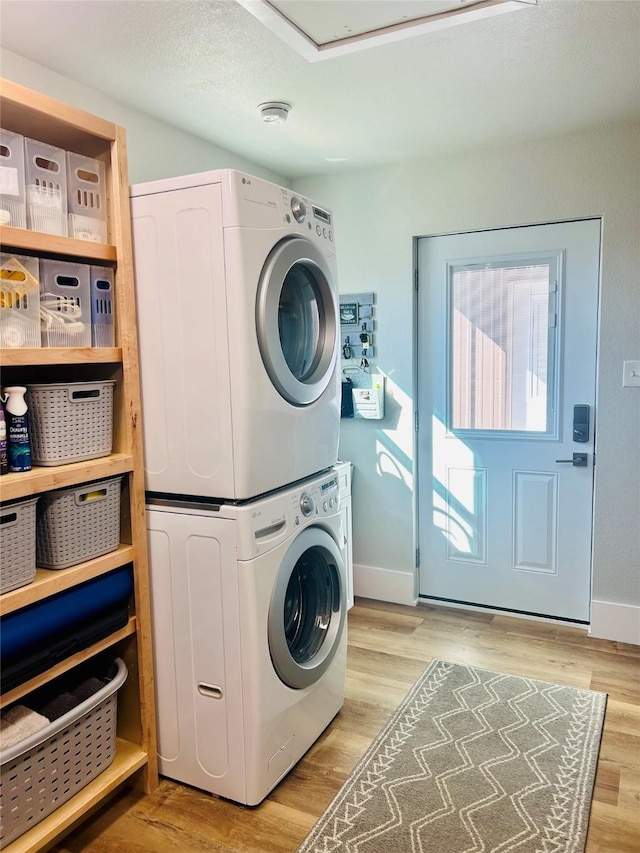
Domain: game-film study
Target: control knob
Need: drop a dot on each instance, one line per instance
(299, 210)
(306, 504)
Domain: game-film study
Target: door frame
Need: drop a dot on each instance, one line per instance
(416, 431)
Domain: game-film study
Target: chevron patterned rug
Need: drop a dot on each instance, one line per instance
(472, 761)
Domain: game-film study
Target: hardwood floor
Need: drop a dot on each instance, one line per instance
(389, 647)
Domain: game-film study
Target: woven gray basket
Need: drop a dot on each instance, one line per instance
(78, 523)
(17, 543)
(46, 769)
(70, 421)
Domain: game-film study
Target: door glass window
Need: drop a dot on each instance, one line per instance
(502, 346)
(313, 594)
(300, 321)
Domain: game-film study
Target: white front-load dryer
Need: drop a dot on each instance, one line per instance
(238, 329)
(249, 630)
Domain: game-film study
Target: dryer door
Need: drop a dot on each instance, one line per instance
(307, 610)
(297, 320)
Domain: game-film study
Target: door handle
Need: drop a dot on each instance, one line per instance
(579, 460)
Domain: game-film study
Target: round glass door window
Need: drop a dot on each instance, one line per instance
(296, 321)
(307, 611)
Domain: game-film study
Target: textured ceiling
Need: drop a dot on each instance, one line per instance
(547, 70)
(362, 16)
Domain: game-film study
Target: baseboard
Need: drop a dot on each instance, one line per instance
(384, 585)
(619, 622)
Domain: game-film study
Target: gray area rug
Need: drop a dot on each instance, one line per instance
(472, 761)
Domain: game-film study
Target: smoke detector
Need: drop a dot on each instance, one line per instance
(274, 112)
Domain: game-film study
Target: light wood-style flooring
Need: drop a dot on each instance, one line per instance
(389, 647)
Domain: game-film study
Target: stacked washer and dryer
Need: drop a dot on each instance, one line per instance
(238, 332)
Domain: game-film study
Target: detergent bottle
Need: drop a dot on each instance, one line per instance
(4, 459)
(18, 438)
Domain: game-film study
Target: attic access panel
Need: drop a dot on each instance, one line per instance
(320, 29)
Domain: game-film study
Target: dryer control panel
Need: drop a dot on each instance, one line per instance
(315, 221)
(251, 202)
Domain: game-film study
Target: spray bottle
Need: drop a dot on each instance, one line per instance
(18, 438)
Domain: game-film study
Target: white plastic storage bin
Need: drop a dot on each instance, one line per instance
(47, 768)
(70, 421)
(86, 194)
(46, 187)
(19, 301)
(12, 185)
(102, 304)
(78, 523)
(17, 543)
(65, 302)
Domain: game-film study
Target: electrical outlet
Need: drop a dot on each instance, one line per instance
(630, 374)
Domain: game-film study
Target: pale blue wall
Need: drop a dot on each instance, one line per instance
(155, 150)
(379, 211)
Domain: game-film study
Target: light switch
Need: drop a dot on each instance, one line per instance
(630, 373)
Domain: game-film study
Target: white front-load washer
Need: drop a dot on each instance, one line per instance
(249, 630)
(238, 328)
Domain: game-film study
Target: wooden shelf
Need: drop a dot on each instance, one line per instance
(48, 582)
(55, 245)
(26, 357)
(67, 664)
(14, 486)
(129, 759)
(41, 117)
(37, 116)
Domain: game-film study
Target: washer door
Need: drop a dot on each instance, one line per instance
(296, 320)
(307, 610)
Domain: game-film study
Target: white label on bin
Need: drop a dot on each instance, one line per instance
(9, 184)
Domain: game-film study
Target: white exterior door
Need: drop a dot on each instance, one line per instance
(507, 327)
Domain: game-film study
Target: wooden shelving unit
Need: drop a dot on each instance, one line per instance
(130, 759)
(43, 118)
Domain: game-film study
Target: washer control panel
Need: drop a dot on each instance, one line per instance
(264, 523)
(306, 504)
(316, 501)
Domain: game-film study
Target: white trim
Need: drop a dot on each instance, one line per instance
(619, 622)
(384, 585)
(292, 35)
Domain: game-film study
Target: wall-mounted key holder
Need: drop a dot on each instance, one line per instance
(362, 385)
(357, 326)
